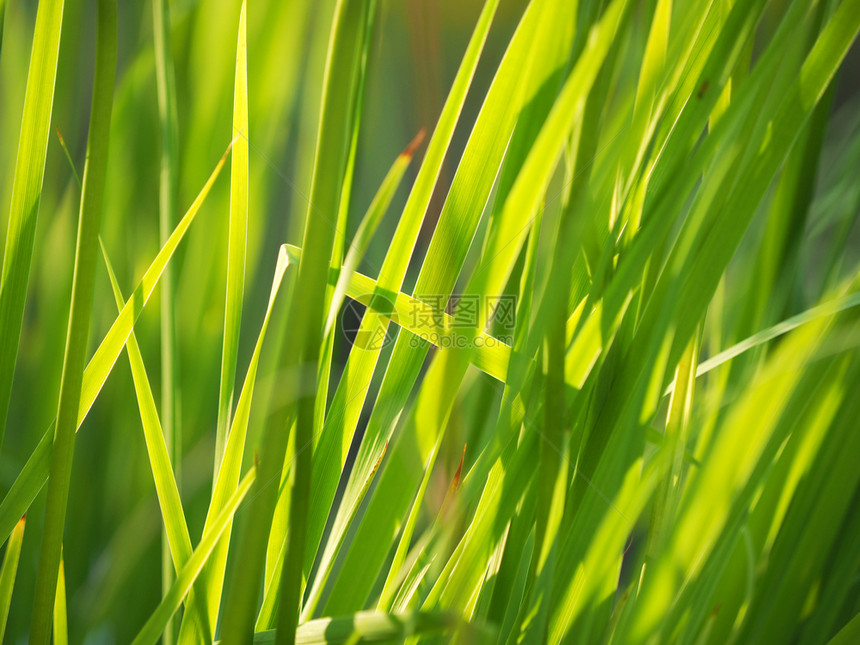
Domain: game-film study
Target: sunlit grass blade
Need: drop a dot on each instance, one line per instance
(507, 233)
(8, 571)
(236, 242)
(35, 472)
(154, 627)
(825, 309)
(86, 251)
(367, 627)
(61, 618)
(27, 188)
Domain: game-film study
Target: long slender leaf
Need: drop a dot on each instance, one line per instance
(8, 571)
(86, 250)
(27, 189)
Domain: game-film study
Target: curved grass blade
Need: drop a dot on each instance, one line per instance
(27, 189)
(154, 627)
(35, 472)
(422, 319)
(86, 251)
(7, 573)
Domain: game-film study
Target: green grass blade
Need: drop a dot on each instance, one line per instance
(306, 319)
(345, 286)
(366, 627)
(336, 435)
(237, 234)
(27, 189)
(79, 324)
(167, 214)
(848, 634)
(508, 230)
(367, 227)
(8, 571)
(231, 464)
(167, 490)
(61, 622)
(154, 627)
(824, 310)
(313, 273)
(35, 472)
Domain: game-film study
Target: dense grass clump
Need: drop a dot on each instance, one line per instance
(577, 364)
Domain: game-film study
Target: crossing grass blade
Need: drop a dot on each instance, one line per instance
(172, 513)
(35, 472)
(367, 227)
(157, 622)
(8, 572)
